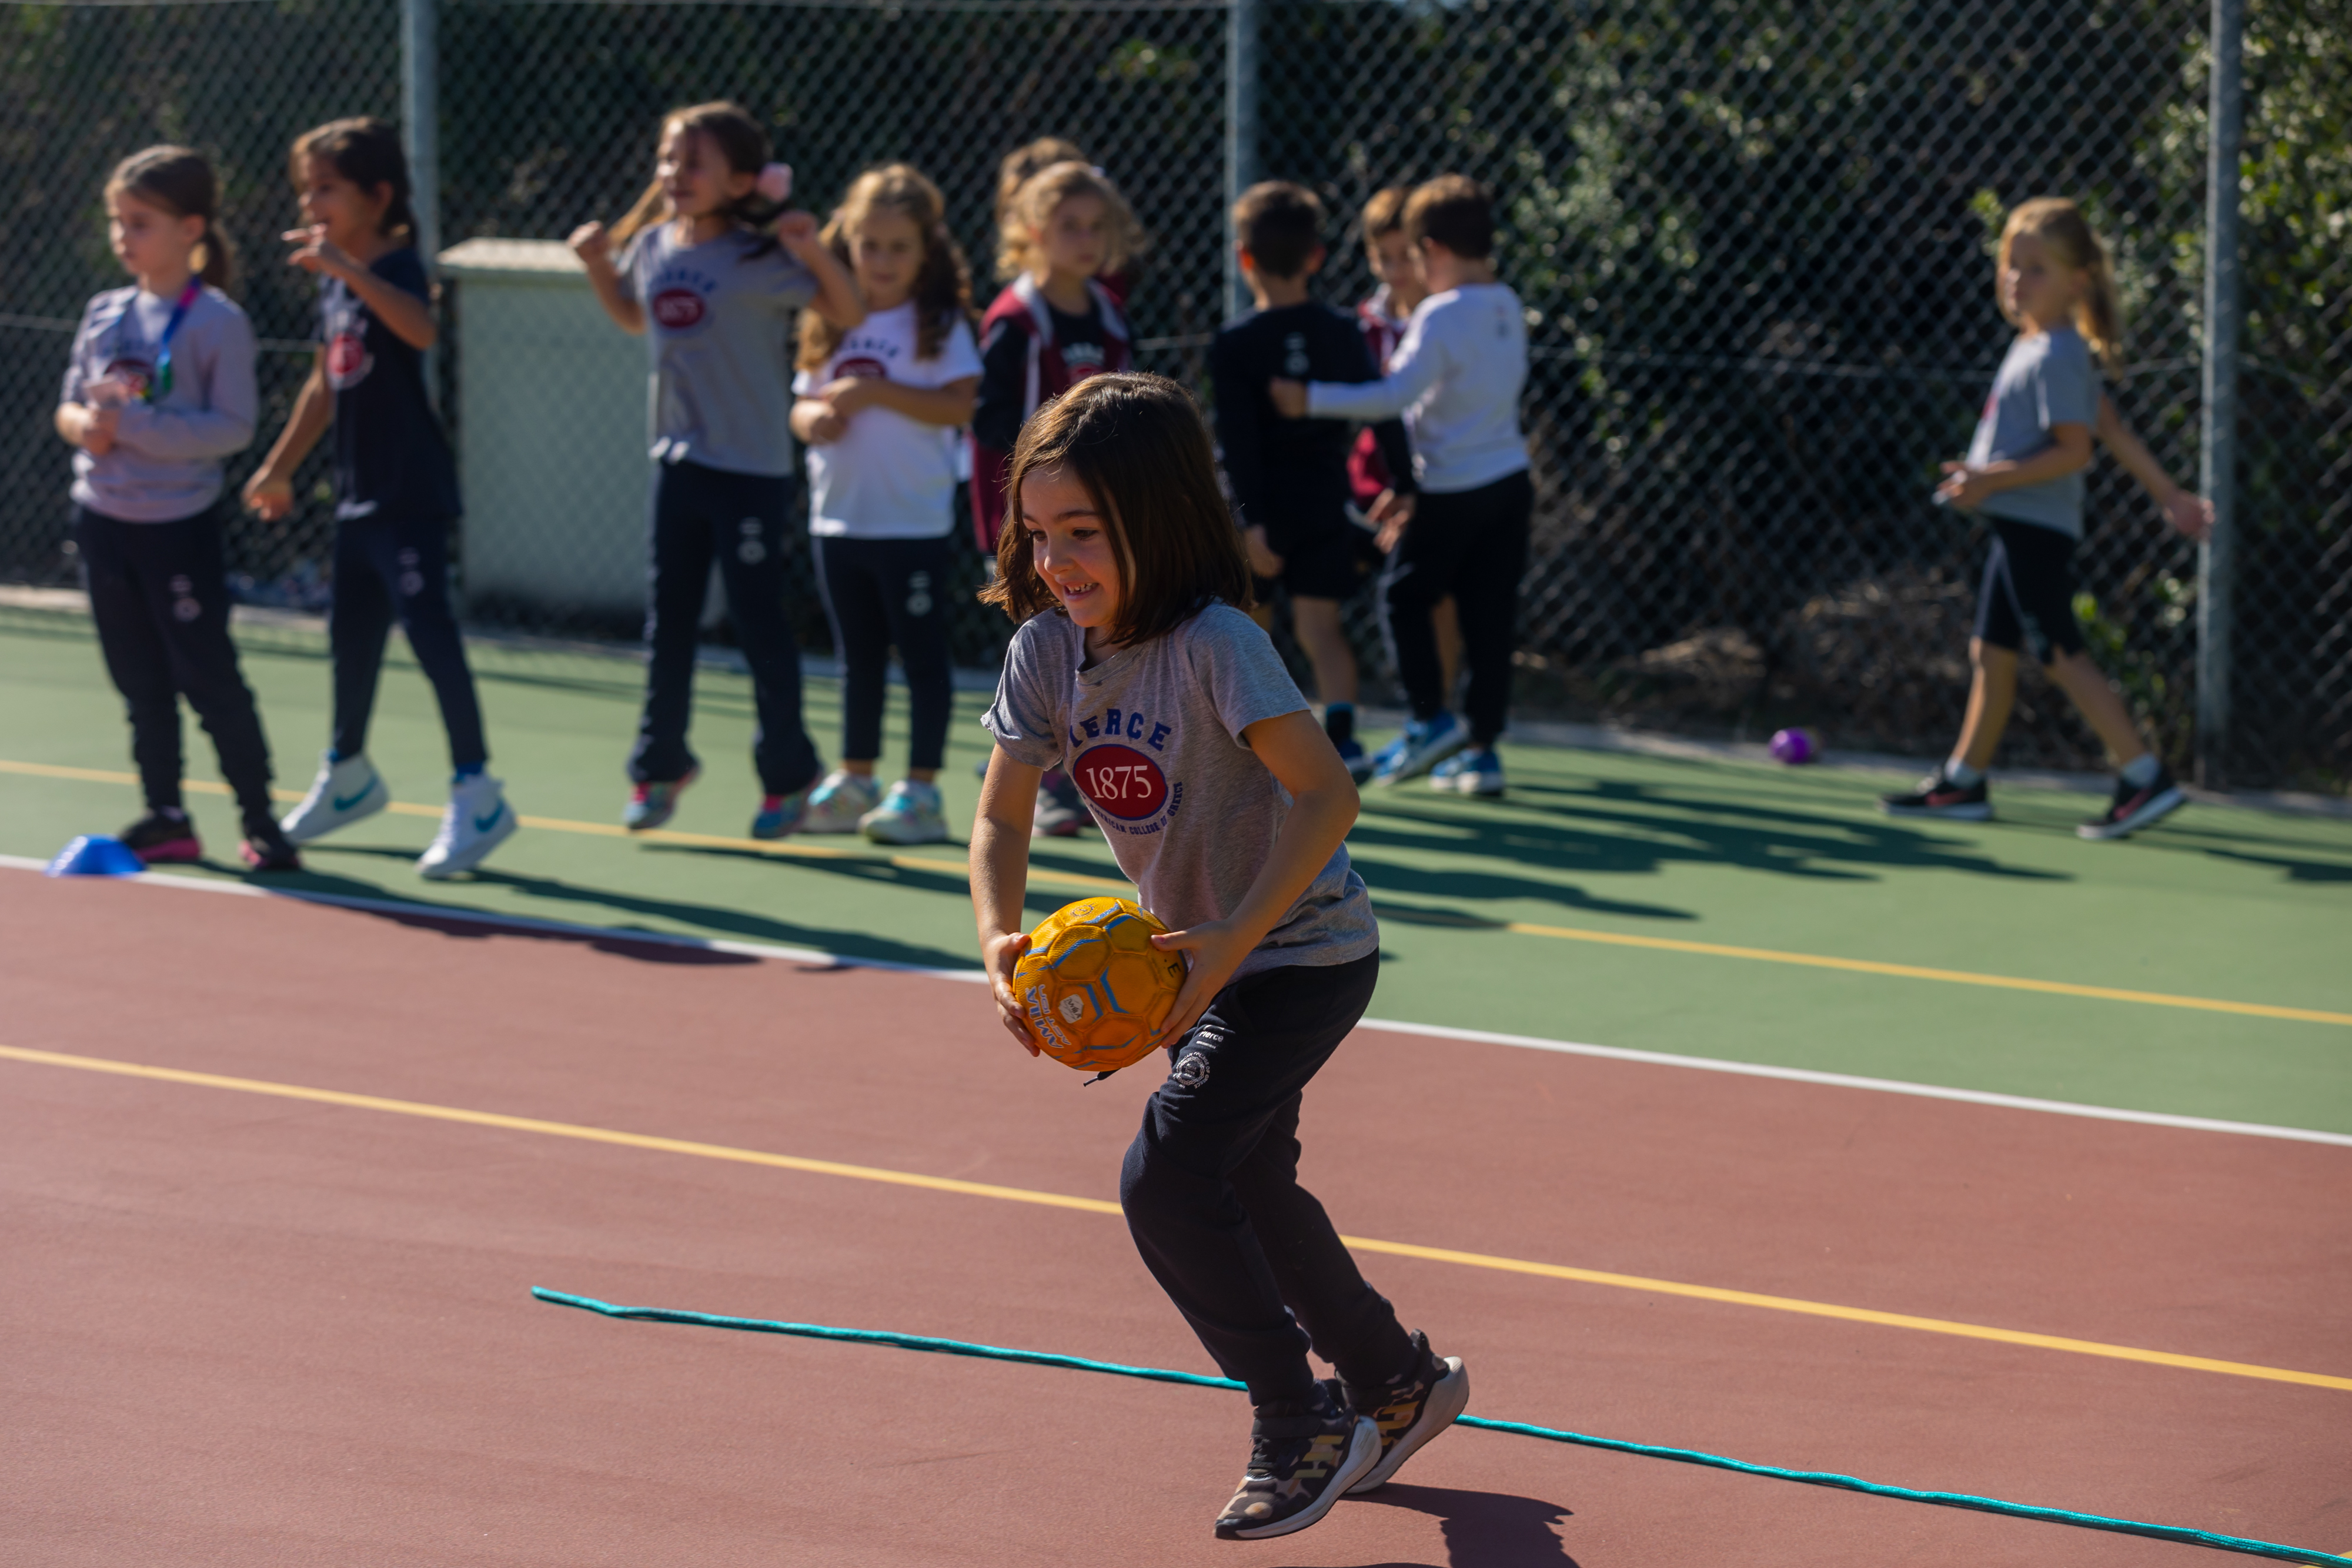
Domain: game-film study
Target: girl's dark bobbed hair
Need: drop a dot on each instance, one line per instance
(1138, 444)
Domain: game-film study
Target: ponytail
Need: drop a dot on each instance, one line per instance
(2060, 225)
(744, 145)
(178, 180)
(367, 152)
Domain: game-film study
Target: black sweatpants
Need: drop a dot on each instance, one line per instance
(1212, 1194)
(398, 566)
(699, 513)
(159, 593)
(1472, 544)
(878, 593)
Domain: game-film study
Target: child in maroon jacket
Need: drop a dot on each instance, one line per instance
(1055, 324)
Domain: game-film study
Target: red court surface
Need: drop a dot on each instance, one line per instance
(252, 1330)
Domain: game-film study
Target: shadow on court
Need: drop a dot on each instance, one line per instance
(1617, 827)
(557, 900)
(1483, 1529)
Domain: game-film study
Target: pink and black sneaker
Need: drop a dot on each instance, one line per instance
(163, 836)
(2135, 806)
(1938, 796)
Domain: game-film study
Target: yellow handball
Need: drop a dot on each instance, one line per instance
(1092, 986)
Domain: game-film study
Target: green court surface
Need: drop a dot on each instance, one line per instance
(1494, 914)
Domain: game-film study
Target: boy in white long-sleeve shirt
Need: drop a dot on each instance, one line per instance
(1456, 380)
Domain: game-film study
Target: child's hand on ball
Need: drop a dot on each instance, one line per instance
(1217, 949)
(999, 955)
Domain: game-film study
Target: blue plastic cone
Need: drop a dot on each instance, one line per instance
(96, 855)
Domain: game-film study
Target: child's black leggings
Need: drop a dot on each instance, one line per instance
(1212, 1194)
(879, 593)
(1472, 544)
(397, 567)
(701, 514)
(159, 595)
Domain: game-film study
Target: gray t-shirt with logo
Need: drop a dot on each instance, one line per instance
(721, 325)
(165, 463)
(1153, 737)
(2046, 378)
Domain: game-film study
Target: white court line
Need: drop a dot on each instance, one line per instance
(1388, 1026)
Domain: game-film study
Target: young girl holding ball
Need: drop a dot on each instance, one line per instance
(1135, 667)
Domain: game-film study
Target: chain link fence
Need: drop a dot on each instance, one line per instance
(1753, 238)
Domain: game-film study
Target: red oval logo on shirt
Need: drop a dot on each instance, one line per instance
(862, 366)
(677, 308)
(1122, 782)
(347, 359)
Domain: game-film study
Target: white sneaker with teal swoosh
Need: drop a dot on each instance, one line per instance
(341, 794)
(476, 820)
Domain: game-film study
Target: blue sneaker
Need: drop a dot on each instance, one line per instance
(1421, 746)
(1475, 770)
(909, 814)
(651, 805)
(779, 814)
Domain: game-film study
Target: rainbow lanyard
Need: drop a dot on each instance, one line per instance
(158, 385)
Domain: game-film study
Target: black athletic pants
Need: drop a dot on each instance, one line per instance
(159, 594)
(878, 593)
(389, 567)
(697, 513)
(1472, 544)
(1212, 1194)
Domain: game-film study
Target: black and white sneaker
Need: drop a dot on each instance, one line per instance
(2135, 806)
(1411, 1408)
(1303, 1461)
(1938, 796)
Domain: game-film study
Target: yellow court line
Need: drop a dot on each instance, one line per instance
(791, 850)
(1099, 1206)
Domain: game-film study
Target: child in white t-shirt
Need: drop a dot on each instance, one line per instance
(877, 405)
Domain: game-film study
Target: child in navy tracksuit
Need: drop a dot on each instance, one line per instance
(715, 279)
(158, 390)
(1289, 478)
(1135, 667)
(395, 488)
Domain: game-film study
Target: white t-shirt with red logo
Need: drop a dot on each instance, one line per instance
(720, 322)
(1152, 737)
(888, 476)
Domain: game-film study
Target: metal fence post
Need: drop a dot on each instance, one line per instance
(2218, 435)
(1241, 132)
(420, 130)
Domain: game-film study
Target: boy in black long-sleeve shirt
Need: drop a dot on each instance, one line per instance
(1289, 476)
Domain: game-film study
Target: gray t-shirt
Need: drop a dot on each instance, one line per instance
(2045, 378)
(165, 463)
(1152, 737)
(720, 325)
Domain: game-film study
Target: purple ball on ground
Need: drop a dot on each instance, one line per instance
(1795, 745)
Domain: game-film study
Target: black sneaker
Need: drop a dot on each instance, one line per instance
(1411, 1408)
(2136, 806)
(160, 836)
(1939, 797)
(1302, 1461)
(267, 848)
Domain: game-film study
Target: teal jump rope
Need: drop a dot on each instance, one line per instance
(1616, 1445)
